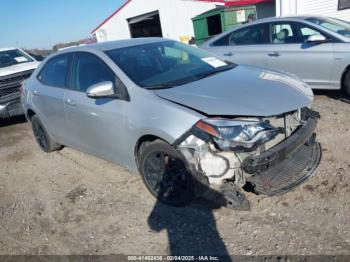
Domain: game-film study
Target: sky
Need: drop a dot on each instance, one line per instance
(44, 23)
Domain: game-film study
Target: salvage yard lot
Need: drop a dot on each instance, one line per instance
(72, 203)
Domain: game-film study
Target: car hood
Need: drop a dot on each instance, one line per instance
(18, 68)
(242, 91)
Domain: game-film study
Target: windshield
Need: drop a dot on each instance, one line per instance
(336, 25)
(166, 64)
(13, 57)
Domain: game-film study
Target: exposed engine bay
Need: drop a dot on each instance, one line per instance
(269, 155)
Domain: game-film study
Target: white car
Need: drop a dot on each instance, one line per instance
(15, 67)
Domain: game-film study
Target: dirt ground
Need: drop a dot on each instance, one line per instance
(72, 203)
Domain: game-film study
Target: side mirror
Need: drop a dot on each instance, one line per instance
(316, 39)
(101, 90)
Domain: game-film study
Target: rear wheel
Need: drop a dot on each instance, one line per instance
(42, 137)
(164, 172)
(347, 83)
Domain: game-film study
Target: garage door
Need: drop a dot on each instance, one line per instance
(146, 25)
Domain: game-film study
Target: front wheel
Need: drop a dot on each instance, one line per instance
(164, 173)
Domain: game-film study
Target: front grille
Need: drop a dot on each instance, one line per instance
(289, 173)
(10, 84)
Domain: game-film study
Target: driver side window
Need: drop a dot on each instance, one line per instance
(282, 33)
(90, 70)
(291, 33)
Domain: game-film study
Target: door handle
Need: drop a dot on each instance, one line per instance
(36, 93)
(228, 54)
(70, 102)
(274, 54)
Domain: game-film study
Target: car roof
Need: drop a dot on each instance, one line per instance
(282, 18)
(109, 45)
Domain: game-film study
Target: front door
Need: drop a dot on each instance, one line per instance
(290, 52)
(96, 126)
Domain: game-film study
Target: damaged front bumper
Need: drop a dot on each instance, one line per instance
(275, 170)
(286, 165)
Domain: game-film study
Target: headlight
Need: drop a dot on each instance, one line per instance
(244, 135)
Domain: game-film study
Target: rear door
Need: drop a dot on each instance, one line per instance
(48, 94)
(95, 126)
(290, 52)
(248, 45)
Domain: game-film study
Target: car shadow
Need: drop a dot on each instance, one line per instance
(12, 121)
(337, 95)
(191, 230)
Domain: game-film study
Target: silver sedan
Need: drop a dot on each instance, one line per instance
(190, 123)
(316, 49)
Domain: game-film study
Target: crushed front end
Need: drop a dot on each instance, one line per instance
(265, 155)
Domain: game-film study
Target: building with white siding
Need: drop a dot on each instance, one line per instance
(334, 8)
(166, 18)
(173, 18)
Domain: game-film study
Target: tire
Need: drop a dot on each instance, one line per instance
(165, 175)
(42, 137)
(347, 83)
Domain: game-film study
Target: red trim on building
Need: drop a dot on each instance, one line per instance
(248, 2)
(225, 2)
(237, 2)
(108, 18)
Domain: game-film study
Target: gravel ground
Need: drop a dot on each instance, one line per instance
(72, 203)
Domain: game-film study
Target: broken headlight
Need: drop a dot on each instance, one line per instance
(244, 135)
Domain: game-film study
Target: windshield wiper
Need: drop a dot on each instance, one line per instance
(171, 84)
(191, 79)
(215, 71)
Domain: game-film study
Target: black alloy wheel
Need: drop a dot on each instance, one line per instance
(42, 137)
(164, 172)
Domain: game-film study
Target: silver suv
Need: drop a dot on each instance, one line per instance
(15, 67)
(193, 125)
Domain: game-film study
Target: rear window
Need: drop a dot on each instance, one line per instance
(250, 35)
(55, 71)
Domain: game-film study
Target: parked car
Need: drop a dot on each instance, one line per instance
(189, 122)
(37, 57)
(15, 67)
(316, 49)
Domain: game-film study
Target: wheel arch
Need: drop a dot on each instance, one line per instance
(342, 80)
(29, 114)
(142, 140)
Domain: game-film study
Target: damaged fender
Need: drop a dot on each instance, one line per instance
(217, 175)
